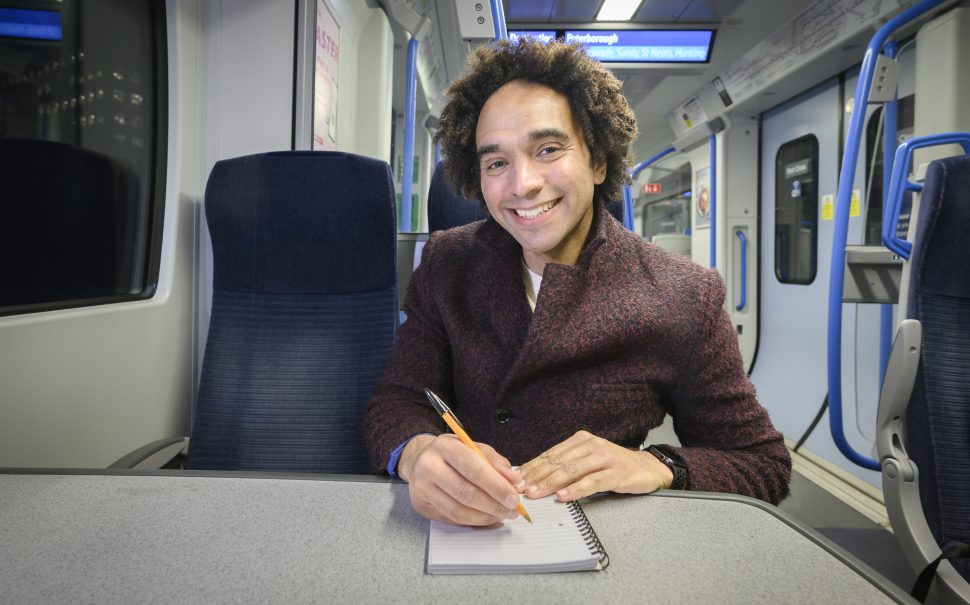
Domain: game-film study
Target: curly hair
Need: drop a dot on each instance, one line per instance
(593, 93)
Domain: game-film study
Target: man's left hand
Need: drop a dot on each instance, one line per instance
(586, 464)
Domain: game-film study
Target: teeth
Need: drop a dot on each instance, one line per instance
(534, 212)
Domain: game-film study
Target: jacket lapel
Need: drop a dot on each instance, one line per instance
(553, 333)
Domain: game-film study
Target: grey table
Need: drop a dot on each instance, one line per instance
(157, 537)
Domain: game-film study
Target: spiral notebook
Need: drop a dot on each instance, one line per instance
(559, 539)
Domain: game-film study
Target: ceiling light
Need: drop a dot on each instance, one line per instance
(618, 10)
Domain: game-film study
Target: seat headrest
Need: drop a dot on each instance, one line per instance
(302, 222)
(942, 229)
(446, 207)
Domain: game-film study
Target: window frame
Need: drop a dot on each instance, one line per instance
(156, 183)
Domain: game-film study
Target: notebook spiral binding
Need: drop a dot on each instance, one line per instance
(588, 533)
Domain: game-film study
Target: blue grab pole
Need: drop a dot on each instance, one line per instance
(713, 170)
(843, 198)
(650, 161)
(744, 269)
(890, 121)
(900, 184)
(410, 104)
(498, 20)
(628, 207)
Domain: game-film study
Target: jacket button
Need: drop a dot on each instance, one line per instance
(502, 415)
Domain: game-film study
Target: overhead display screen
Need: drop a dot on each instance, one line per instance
(635, 45)
(34, 24)
(544, 36)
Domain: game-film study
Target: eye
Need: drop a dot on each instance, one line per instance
(550, 149)
(494, 165)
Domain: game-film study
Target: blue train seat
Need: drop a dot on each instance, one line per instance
(304, 311)
(923, 437)
(447, 207)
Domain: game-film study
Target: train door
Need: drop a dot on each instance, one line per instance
(800, 162)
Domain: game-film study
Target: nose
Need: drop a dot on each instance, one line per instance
(527, 180)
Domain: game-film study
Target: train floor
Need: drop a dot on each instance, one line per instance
(867, 540)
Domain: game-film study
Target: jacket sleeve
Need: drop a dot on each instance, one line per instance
(727, 439)
(421, 358)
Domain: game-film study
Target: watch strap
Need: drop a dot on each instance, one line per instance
(678, 468)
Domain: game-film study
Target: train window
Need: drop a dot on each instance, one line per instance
(874, 169)
(82, 148)
(663, 204)
(796, 211)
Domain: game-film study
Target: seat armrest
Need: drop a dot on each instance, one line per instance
(154, 455)
(897, 387)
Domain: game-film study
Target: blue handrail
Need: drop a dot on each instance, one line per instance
(843, 198)
(498, 20)
(410, 108)
(890, 127)
(628, 207)
(744, 269)
(899, 184)
(628, 193)
(712, 140)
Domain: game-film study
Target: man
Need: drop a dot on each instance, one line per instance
(559, 338)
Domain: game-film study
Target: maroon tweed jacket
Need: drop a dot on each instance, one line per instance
(627, 335)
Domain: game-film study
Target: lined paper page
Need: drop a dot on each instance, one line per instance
(553, 542)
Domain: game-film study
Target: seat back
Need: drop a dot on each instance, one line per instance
(923, 424)
(938, 416)
(304, 311)
(447, 208)
(616, 209)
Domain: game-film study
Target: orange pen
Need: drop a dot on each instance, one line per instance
(452, 421)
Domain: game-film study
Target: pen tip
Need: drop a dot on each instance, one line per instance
(527, 517)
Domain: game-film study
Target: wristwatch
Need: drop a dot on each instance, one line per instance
(679, 469)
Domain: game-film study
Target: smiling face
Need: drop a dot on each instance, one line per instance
(537, 177)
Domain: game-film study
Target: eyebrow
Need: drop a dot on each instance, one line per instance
(535, 135)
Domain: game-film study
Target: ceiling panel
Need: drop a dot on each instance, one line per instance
(575, 10)
(661, 11)
(708, 10)
(650, 11)
(528, 10)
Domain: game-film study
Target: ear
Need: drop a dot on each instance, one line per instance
(599, 170)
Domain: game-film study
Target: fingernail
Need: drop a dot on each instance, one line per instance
(561, 494)
(520, 485)
(533, 489)
(511, 501)
(512, 514)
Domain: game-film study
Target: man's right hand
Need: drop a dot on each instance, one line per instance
(449, 482)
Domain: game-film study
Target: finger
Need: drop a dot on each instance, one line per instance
(443, 494)
(567, 473)
(586, 485)
(561, 468)
(503, 466)
(492, 492)
(456, 512)
(554, 454)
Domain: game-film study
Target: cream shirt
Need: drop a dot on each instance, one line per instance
(532, 282)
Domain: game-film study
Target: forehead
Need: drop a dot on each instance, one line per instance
(520, 107)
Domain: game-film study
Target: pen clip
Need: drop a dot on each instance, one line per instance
(440, 406)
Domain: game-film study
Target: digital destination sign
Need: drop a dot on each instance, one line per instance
(635, 45)
(544, 36)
